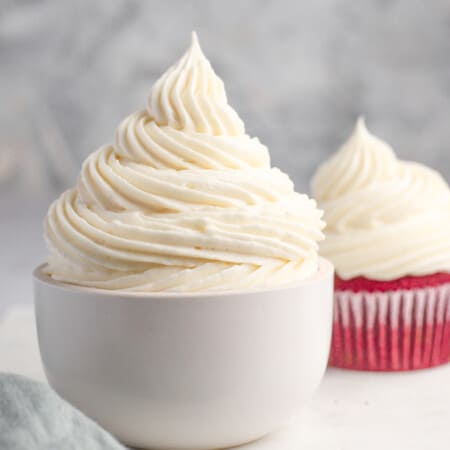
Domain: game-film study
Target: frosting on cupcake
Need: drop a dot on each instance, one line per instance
(184, 200)
(386, 218)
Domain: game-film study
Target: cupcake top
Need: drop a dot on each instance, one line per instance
(386, 218)
(183, 200)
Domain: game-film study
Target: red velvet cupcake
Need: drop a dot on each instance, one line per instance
(388, 235)
(399, 324)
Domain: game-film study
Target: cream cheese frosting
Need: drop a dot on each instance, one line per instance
(184, 200)
(386, 218)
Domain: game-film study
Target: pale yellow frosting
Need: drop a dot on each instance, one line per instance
(386, 218)
(184, 200)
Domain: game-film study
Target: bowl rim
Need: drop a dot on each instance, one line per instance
(326, 268)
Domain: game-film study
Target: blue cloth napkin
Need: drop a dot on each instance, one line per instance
(34, 417)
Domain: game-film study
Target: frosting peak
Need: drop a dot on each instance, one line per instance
(189, 96)
(361, 128)
(362, 142)
(362, 160)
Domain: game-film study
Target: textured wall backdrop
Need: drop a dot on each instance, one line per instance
(298, 72)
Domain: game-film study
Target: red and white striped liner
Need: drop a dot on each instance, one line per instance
(393, 330)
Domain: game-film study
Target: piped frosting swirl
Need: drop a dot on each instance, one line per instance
(184, 200)
(386, 218)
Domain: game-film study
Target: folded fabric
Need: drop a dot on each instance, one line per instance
(34, 417)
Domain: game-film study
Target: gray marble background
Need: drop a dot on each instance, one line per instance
(298, 72)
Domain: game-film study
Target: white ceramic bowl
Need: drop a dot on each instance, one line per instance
(186, 371)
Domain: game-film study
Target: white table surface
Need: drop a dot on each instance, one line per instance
(351, 411)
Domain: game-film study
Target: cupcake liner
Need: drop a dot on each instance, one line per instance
(393, 330)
